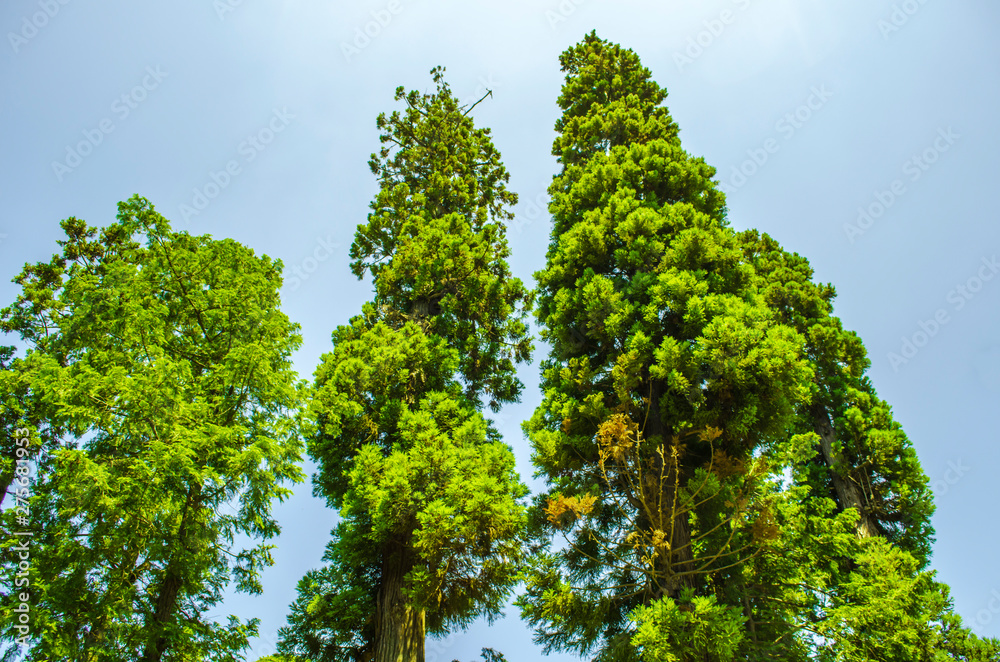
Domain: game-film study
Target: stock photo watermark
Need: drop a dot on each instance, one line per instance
(224, 7)
(534, 209)
(958, 297)
(955, 472)
(363, 35)
(985, 616)
(987, 366)
(322, 252)
(900, 16)
(22, 538)
(714, 27)
(436, 648)
(787, 127)
(249, 149)
(913, 168)
(122, 107)
(485, 85)
(562, 12)
(30, 25)
(267, 645)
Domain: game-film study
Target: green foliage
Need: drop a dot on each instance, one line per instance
(654, 318)
(332, 617)
(490, 655)
(887, 611)
(872, 451)
(164, 361)
(432, 524)
(434, 244)
(455, 495)
(801, 530)
(695, 628)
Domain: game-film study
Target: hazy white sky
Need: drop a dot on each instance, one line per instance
(861, 135)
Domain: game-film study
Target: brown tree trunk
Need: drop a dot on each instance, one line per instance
(400, 628)
(847, 491)
(680, 559)
(681, 554)
(165, 606)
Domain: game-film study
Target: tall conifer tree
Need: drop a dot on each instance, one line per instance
(728, 484)
(664, 357)
(431, 529)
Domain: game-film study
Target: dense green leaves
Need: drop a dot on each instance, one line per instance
(435, 244)
(728, 484)
(704, 630)
(451, 492)
(870, 464)
(432, 525)
(652, 313)
(723, 482)
(166, 361)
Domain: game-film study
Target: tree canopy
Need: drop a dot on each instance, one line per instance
(724, 479)
(163, 361)
(431, 521)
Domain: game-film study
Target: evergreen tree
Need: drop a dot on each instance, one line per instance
(431, 522)
(490, 655)
(866, 461)
(164, 362)
(870, 597)
(664, 356)
(728, 484)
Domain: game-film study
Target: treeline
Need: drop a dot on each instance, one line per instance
(723, 482)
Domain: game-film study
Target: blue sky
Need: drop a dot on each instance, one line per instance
(861, 135)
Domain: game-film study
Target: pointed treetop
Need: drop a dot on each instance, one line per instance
(608, 99)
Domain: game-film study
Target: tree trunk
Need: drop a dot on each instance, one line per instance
(170, 588)
(681, 556)
(5, 482)
(847, 491)
(119, 584)
(400, 629)
(166, 605)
